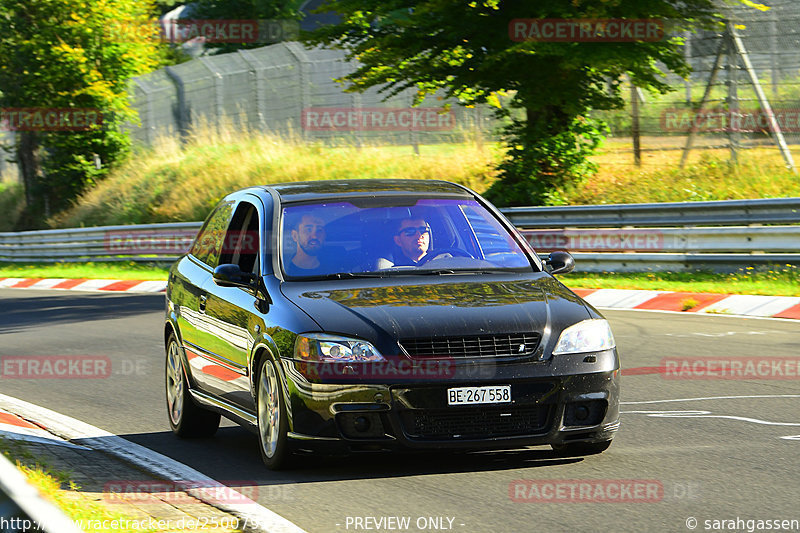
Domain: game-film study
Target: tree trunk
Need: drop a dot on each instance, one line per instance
(29, 165)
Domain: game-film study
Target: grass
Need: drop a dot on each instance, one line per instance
(779, 281)
(761, 173)
(175, 182)
(116, 270)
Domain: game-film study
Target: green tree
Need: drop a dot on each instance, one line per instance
(266, 10)
(70, 55)
(465, 49)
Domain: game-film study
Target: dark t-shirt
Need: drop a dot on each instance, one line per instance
(294, 270)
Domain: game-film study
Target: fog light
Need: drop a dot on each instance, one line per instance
(361, 424)
(587, 413)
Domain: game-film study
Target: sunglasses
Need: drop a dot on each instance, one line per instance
(410, 232)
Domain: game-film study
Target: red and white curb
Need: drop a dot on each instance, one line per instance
(110, 285)
(690, 302)
(13, 427)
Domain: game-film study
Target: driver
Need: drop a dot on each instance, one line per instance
(413, 237)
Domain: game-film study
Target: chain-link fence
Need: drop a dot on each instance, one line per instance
(743, 93)
(289, 90)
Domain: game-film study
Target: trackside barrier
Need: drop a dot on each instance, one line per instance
(717, 213)
(714, 236)
(22, 508)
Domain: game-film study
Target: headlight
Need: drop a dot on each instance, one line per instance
(586, 336)
(322, 347)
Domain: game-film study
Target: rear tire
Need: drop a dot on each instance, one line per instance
(186, 418)
(272, 419)
(575, 449)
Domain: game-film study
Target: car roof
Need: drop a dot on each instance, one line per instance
(342, 189)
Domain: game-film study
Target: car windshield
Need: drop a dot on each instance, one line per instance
(384, 237)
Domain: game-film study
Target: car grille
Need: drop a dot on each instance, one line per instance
(476, 346)
(475, 423)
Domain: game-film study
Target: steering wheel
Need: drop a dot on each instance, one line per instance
(435, 254)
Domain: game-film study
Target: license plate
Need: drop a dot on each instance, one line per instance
(479, 395)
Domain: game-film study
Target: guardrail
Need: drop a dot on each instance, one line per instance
(22, 508)
(709, 242)
(718, 213)
(145, 242)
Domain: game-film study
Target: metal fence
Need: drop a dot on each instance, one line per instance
(741, 75)
(602, 238)
(289, 90)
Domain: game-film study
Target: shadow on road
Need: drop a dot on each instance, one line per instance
(232, 454)
(33, 308)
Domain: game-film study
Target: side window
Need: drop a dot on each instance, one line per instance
(208, 244)
(241, 244)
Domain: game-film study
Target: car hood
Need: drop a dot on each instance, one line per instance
(388, 309)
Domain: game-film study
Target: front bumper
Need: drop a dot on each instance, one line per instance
(545, 409)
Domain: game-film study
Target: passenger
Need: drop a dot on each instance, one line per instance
(309, 236)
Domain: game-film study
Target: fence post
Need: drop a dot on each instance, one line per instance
(687, 56)
(302, 80)
(182, 115)
(773, 54)
(258, 89)
(216, 79)
(774, 126)
(733, 95)
(635, 133)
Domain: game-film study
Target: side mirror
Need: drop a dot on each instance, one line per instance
(560, 262)
(231, 275)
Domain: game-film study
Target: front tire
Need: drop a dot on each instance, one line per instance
(185, 418)
(272, 419)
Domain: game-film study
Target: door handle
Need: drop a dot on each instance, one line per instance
(203, 299)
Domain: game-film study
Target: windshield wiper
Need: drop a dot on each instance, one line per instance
(353, 275)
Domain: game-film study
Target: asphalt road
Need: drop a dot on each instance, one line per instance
(709, 459)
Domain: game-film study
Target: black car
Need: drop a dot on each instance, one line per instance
(382, 314)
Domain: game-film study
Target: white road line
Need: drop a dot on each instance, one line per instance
(160, 465)
(714, 398)
(706, 414)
